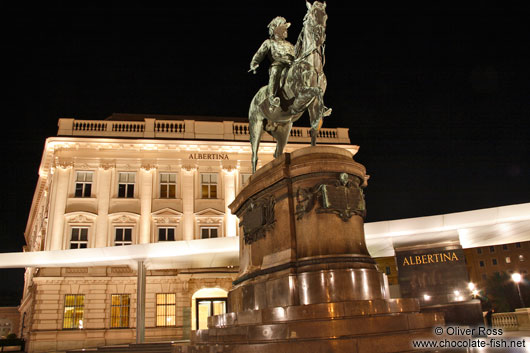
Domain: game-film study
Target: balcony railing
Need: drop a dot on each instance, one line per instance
(188, 129)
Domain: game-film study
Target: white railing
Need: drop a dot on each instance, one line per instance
(507, 321)
(188, 129)
(518, 320)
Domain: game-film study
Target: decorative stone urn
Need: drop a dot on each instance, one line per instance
(306, 281)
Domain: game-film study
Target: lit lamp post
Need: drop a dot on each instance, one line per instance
(517, 278)
(473, 289)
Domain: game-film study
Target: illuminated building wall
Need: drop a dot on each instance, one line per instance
(129, 180)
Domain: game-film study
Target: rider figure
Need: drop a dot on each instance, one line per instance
(280, 53)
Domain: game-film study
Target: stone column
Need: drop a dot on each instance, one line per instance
(103, 197)
(188, 202)
(140, 303)
(145, 181)
(230, 220)
(61, 176)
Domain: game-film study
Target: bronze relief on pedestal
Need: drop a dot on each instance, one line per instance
(257, 218)
(344, 198)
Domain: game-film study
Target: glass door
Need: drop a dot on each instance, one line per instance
(207, 307)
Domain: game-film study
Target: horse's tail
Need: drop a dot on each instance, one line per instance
(255, 119)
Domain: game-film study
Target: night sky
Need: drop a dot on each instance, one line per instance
(438, 99)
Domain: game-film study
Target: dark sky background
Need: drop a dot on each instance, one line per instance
(437, 98)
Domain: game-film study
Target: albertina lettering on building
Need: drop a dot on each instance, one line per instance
(208, 156)
(429, 259)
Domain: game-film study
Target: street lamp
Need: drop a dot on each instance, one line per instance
(517, 278)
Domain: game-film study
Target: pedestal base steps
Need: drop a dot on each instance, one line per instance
(355, 326)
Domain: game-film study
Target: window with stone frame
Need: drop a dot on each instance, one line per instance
(74, 308)
(166, 308)
(123, 236)
(209, 185)
(79, 238)
(168, 185)
(126, 181)
(166, 234)
(119, 310)
(83, 184)
(209, 232)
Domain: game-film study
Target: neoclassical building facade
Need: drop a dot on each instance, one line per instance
(137, 182)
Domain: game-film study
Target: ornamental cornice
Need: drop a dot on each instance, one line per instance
(80, 219)
(190, 168)
(64, 163)
(166, 220)
(106, 165)
(149, 166)
(124, 219)
(209, 219)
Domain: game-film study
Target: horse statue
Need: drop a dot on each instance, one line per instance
(301, 88)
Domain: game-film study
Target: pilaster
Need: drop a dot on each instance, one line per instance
(146, 197)
(230, 220)
(103, 196)
(188, 202)
(59, 196)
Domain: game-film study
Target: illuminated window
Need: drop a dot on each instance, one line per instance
(209, 232)
(74, 307)
(508, 260)
(521, 258)
(123, 236)
(168, 185)
(166, 309)
(79, 238)
(166, 234)
(83, 184)
(209, 185)
(126, 184)
(244, 179)
(119, 310)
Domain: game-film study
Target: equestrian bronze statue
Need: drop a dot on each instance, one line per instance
(296, 81)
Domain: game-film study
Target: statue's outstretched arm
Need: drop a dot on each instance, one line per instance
(259, 56)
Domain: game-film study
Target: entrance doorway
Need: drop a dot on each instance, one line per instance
(207, 307)
(206, 302)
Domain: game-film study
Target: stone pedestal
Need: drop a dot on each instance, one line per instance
(307, 282)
